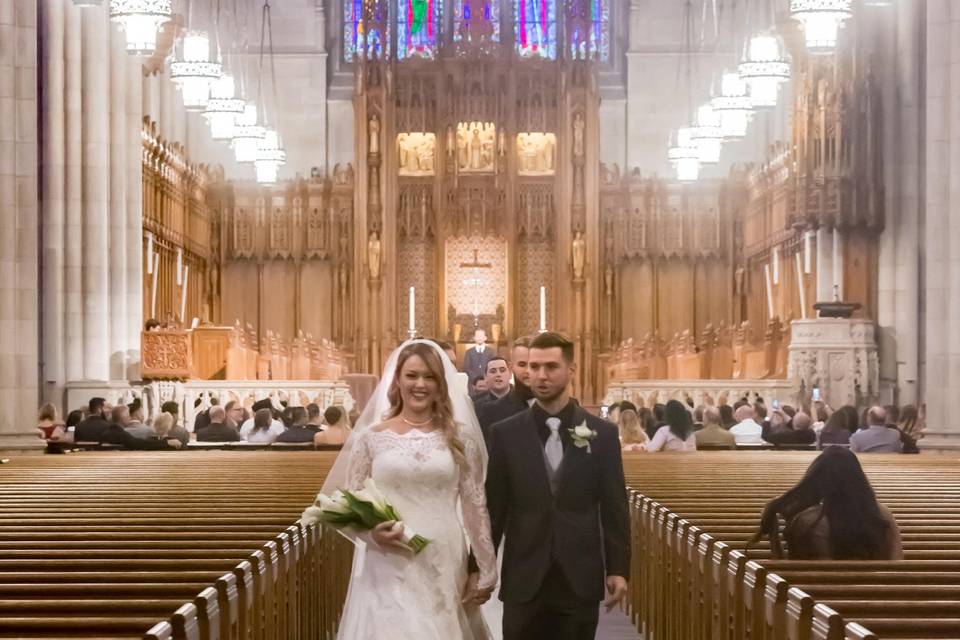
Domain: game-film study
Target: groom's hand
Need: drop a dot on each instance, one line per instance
(617, 590)
(473, 595)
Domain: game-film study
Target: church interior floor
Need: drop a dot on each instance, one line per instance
(614, 625)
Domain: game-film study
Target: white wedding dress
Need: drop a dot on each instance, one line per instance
(394, 594)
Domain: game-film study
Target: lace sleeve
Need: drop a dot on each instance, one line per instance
(361, 462)
(476, 519)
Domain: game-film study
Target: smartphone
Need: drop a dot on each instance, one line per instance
(604, 411)
(776, 405)
(816, 394)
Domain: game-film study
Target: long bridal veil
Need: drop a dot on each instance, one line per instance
(378, 405)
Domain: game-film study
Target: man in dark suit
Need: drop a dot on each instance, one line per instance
(497, 380)
(217, 431)
(95, 423)
(560, 501)
(516, 400)
(476, 357)
(298, 431)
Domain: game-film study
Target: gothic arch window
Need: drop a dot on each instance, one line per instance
(366, 29)
(418, 24)
(476, 22)
(536, 28)
(588, 30)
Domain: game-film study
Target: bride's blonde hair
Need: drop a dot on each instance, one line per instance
(442, 411)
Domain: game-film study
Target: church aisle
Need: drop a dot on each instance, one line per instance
(613, 626)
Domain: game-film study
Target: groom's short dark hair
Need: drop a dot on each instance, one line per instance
(551, 339)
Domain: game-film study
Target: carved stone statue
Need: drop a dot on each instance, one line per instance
(476, 150)
(579, 255)
(374, 134)
(608, 280)
(451, 142)
(578, 125)
(373, 255)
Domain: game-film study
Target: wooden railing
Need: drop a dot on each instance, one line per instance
(692, 515)
(721, 353)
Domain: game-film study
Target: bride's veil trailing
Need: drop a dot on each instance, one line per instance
(379, 404)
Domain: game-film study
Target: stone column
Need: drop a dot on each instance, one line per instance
(119, 147)
(133, 219)
(73, 310)
(19, 276)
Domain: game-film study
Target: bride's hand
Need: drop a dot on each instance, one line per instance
(389, 535)
(474, 595)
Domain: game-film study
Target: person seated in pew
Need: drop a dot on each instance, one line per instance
(337, 430)
(836, 431)
(135, 425)
(298, 431)
(265, 429)
(95, 423)
(726, 417)
(314, 419)
(632, 435)
(747, 430)
(677, 434)
(117, 434)
(877, 437)
(50, 425)
(831, 514)
(161, 429)
(276, 427)
(713, 434)
(74, 418)
(218, 430)
(783, 431)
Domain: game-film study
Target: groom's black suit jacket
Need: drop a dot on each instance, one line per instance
(584, 527)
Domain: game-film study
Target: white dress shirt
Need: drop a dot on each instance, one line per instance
(747, 432)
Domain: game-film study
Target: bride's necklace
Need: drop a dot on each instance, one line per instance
(417, 424)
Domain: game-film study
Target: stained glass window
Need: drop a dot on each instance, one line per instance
(417, 26)
(361, 38)
(476, 21)
(536, 22)
(589, 29)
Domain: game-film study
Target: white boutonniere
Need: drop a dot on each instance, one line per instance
(582, 435)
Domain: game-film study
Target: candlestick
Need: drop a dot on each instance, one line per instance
(413, 312)
(183, 295)
(801, 290)
(149, 254)
(179, 267)
(543, 309)
(766, 270)
(808, 252)
(775, 259)
(153, 293)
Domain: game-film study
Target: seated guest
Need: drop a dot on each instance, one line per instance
(235, 414)
(218, 430)
(177, 431)
(479, 385)
(116, 433)
(911, 422)
(713, 434)
(747, 430)
(74, 418)
(836, 431)
(760, 413)
(613, 413)
(632, 435)
(797, 431)
(95, 423)
(726, 416)
(831, 514)
(298, 431)
(876, 438)
(161, 427)
(496, 380)
(276, 427)
(821, 413)
(647, 420)
(338, 427)
(677, 434)
(135, 426)
(49, 423)
(203, 418)
(698, 417)
(265, 429)
(314, 419)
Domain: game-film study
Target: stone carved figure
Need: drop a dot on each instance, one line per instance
(373, 255)
(608, 281)
(374, 134)
(416, 154)
(475, 147)
(535, 153)
(451, 141)
(579, 255)
(578, 125)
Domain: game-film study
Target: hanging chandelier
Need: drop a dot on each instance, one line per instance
(195, 72)
(87, 3)
(821, 21)
(270, 157)
(764, 69)
(140, 21)
(223, 108)
(247, 134)
(734, 106)
(685, 156)
(708, 135)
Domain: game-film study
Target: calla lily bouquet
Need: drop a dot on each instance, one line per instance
(362, 510)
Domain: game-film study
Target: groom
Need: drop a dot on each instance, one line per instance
(560, 500)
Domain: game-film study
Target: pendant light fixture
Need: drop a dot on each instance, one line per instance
(685, 156)
(764, 69)
(708, 135)
(820, 21)
(247, 134)
(270, 155)
(140, 21)
(734, 106)
(87, 3)
(195, 71)
(223, 108)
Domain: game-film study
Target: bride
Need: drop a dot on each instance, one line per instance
(419, 440)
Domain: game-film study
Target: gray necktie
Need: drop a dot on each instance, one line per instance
(553, 449)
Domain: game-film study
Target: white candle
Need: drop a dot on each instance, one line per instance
(153, 294)
(543, 309)
(179, 267)
(801, 290)
(808, 252)
(766, 270)
(775, 259)
(149, 254)
(837, 265)
(413, 310)
(183, 295)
